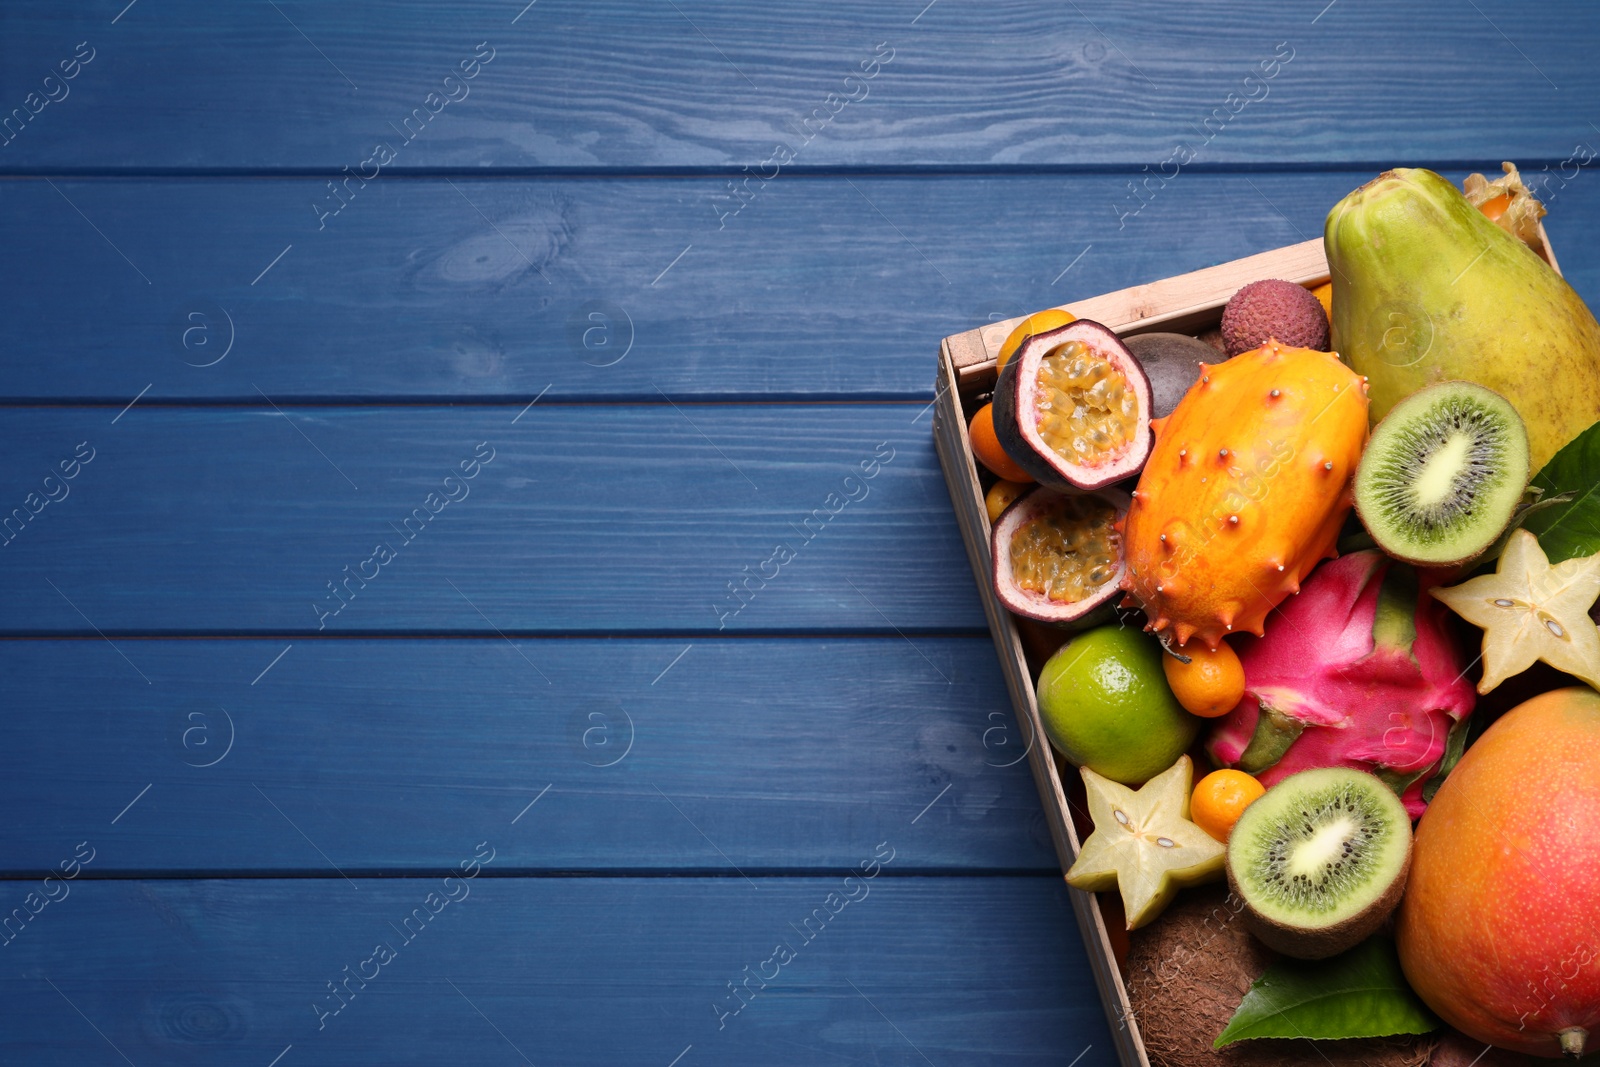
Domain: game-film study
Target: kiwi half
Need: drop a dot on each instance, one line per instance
(1443, 473)
(1320, 861)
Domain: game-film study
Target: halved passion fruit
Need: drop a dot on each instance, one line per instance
(1058, 556)
(1073, 407)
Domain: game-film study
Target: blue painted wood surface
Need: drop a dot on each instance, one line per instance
(712, 356)
(412, 294)
(716, 755)
(552, 970)
(566, 519)
(186, 86)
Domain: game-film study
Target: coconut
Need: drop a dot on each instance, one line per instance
(1187, 973)
(1458, 1050)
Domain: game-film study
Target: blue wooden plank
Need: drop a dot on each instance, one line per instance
(191, 85)
(569, 519)
(587, 971)
(807, 293)
(636, 754)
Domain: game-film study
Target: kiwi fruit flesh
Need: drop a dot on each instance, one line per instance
(1320, 860)
(1443, 474)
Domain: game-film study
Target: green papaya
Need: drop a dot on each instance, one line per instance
(1427, 289)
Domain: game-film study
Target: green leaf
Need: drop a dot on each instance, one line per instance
(1572, 529)
(1533, 503)
(1361, 993)
(1455, 744)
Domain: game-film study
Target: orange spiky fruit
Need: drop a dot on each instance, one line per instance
(1244, 492)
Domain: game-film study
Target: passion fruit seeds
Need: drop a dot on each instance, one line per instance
(1058, 556)
(1068, 551)
(1083, 406)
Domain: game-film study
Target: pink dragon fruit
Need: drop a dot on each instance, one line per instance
(1357, 671)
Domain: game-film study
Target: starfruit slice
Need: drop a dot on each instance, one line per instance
(1530, 610)
(1144, 843)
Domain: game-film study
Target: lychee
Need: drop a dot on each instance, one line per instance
(1274, 309)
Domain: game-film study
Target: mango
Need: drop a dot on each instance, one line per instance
(1498, 928)
(1427, 289)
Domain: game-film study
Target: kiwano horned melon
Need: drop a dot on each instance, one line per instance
(1244, 492)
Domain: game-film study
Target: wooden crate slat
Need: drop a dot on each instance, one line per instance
(955, 457)
(1177, 304)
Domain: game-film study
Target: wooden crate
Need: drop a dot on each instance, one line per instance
(1188, 303)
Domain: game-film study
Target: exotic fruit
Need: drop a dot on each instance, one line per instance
(1427, 289)
(1245, 490)
(1058, 556)
(1509, 204)
(1172, 363)
(1274, 309)
(1358, 671)
(1530, 610)
(1320, 861)
(1144, 844)
(1072, 407)
(1499, 931)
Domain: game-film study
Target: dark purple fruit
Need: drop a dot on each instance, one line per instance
(1172, 363)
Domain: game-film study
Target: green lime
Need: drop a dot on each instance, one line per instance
(1105, 704)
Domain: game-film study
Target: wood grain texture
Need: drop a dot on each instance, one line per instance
(590, 971)
(599, 519)
(822, 288)
(982, 172)
(190, 86)
(714, 755)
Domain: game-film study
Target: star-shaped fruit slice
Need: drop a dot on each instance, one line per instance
(1531, 611)
(1143, 842)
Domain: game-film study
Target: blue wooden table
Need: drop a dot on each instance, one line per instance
(477, 584)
